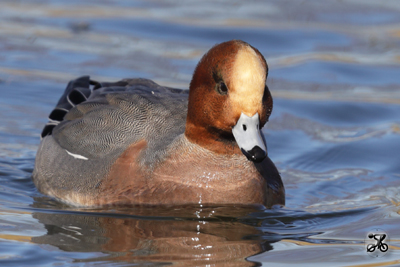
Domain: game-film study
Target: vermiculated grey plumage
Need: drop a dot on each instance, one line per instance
(114, 116)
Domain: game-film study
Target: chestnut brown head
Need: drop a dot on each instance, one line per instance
(229, 87)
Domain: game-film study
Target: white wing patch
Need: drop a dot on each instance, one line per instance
(76, 155)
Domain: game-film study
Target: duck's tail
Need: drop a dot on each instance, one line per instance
(77, 91)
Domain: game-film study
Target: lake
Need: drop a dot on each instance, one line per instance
(334, 133)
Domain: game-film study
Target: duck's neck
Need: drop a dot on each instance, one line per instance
(211, 140)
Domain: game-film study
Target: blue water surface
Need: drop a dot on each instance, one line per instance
(334, 133)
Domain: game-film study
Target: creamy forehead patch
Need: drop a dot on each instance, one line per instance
(247, 81)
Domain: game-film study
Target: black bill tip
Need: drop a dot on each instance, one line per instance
(256, 154)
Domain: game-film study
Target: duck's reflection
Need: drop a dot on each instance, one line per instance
(208, 236)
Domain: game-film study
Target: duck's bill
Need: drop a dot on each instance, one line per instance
(248, 136)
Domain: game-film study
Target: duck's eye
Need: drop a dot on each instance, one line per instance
(222, 89)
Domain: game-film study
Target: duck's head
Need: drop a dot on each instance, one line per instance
(229, 101)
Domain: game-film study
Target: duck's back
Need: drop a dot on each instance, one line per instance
(76, 153)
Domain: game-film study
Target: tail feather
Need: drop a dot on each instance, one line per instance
(77, 91)
(57, 115)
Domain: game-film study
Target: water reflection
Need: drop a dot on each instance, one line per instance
(186, 236)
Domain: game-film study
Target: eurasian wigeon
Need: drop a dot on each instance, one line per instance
(135, 142)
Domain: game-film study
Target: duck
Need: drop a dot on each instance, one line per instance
(134, 142)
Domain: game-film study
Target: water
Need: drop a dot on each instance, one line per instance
(333, 134)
